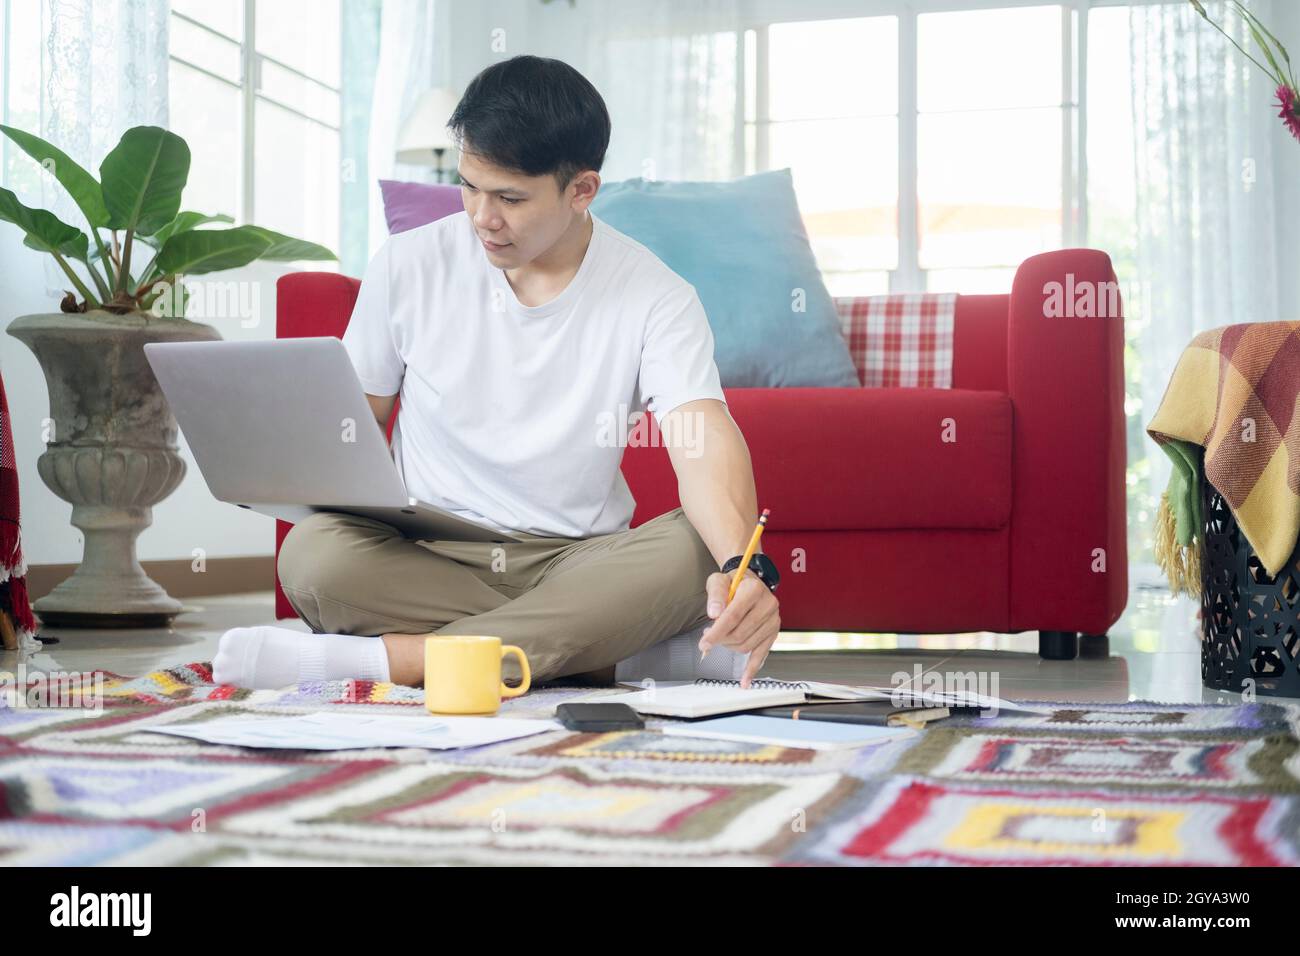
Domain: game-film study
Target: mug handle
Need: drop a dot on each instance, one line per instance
(523, 666)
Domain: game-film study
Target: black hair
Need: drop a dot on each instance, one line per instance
(533, 115)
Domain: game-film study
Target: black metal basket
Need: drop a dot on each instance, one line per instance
(1250, 622)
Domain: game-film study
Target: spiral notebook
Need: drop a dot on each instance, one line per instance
(708, 696)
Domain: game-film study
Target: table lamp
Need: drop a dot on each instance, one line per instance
(425, 137)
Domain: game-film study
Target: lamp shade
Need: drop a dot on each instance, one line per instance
(425, 130)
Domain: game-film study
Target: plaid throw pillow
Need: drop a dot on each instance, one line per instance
(900, 341)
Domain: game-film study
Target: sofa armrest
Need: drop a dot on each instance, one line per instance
(314, 303)
(311, 304)
(1065, 376)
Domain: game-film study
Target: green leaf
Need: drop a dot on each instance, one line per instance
(184, 222)
(45, 231)
(143, 177)
(288, 249)
(1253, 20)
(1278, 76)
(211, 250)
(81, 186)
(74, 248)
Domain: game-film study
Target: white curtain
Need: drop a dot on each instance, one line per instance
(668, 74)
(1208, 148)
(667, 71)
(103, 70)
(411, 60)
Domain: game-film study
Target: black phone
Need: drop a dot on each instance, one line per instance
(597, 717)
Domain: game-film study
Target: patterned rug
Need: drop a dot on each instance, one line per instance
(1136, 784)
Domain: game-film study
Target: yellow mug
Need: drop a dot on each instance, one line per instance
(462, 674)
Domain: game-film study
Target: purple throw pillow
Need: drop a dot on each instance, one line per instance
(407, 205)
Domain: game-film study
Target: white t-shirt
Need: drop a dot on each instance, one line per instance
(506, 412)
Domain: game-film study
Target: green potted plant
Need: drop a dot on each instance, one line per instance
(110, 437)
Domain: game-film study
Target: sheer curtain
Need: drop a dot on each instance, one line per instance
(669, 73)
(1208, 150)
(358, 64)
(412, 58)
(103, 70)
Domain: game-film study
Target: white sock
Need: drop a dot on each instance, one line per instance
(267, 657)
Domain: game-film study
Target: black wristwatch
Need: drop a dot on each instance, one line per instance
(761, 565)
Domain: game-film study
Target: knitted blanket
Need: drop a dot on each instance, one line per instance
(1231, 404)
(96, 785)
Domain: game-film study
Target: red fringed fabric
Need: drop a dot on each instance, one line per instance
(13, 570)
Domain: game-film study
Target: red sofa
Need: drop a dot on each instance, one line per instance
(880, 525)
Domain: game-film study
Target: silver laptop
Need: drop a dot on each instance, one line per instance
(282, 427)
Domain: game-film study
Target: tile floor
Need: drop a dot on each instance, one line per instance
(1154, 653)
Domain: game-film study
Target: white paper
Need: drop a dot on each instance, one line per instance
(815, 689)
(328, 731)
(905, 695)
(698, 700)
(784, 732)
(818, 688)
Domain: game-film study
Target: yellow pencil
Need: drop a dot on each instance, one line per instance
(749, 553)
(744, 561)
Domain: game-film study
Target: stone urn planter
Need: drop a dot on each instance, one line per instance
(111, 452)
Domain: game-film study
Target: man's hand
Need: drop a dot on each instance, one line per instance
(749, 624)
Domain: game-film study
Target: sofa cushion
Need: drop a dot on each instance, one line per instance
(859, 459)
(408, 205)
(742, 245)
(904, 340)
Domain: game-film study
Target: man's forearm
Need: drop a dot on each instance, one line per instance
(715, 482)
(716, 488)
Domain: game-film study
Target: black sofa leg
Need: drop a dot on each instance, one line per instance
(1094, 646)
(1058, 645)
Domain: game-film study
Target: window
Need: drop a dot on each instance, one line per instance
(930, 150)
(263, 128)
(831, 116)
(988, 176)
(206, 102)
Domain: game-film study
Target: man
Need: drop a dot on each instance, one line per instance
(513, 332)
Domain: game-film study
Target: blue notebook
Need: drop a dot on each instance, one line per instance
(800, 734)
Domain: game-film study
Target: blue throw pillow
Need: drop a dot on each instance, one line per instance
(743, 246)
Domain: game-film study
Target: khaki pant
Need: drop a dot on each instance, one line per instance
(574, 605)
